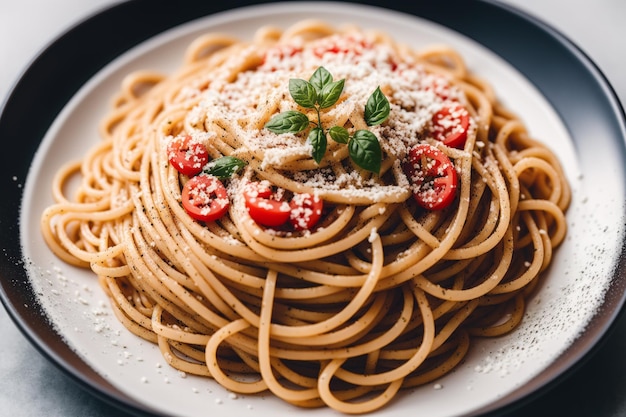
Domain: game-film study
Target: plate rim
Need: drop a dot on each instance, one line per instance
(26, 314)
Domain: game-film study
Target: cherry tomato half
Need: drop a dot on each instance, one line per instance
(264, 206)
(188, 156)
(205, 198)
(306, 210)
(433, 175)
(450, 125)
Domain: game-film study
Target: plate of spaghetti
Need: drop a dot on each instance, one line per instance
(321, 208)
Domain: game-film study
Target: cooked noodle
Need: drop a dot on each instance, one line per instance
(382, 294)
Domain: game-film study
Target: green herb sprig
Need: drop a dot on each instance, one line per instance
(321, 92)
(224, 167)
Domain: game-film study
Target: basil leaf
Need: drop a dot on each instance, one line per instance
(339, 134)
(377, 108)
(290, 121)
(224, 167)
(317, 139)
(303, 93)
(330, 93)
(365, 151)
(320, 78)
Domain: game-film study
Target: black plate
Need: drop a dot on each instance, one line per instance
(55, 76)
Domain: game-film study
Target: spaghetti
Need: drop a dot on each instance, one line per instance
(389, 284)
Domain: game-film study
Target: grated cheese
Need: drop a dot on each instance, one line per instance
(414, 96)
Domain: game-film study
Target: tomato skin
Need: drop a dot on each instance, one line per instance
(186, 155)
(263, 205)
(306, 211)
(434, 177)
(205, 198)
(450, 125)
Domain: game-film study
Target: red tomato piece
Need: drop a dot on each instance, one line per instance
(450, 125)
(433, 175)
(188, 156)
(205, 198)
(306, 211)
(264, 206)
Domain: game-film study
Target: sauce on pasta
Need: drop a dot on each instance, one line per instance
(380, 283)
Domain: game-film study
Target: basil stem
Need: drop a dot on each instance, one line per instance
(321, 92)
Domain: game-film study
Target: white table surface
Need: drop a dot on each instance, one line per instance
(31, 386)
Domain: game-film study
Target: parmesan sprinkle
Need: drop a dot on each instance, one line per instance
(415, 96)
